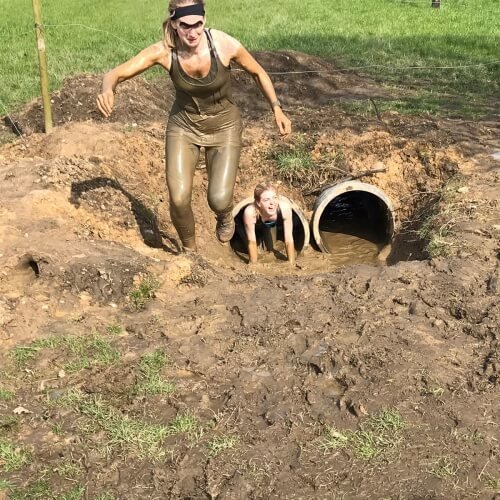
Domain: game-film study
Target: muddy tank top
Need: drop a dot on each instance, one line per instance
(203, 96)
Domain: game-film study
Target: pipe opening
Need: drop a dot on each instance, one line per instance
(353, 221)
(300, 231)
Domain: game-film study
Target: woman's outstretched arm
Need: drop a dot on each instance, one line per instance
(154, 54)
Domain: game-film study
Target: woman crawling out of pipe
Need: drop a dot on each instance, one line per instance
(268, 219)
(203, 113)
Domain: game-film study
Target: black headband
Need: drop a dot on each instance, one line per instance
(190, 10)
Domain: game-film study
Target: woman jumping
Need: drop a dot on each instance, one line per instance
(203, 113)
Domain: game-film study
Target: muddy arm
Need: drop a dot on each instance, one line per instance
(251, 66)
(154, 54)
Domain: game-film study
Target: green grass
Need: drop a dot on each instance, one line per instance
(445, 212)
(141, 294)
(443, 468)
(5, 394)
(86, 351)
(150, 379)
(376, 435)
(69, 469)
(221, 443)
(293, 163)
(40, 490)
(12, 457)
(184, 424)
(132, 435)
(493, 483)
(389, 37)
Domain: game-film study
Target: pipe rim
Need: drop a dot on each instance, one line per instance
(295, 208)
(341, 188)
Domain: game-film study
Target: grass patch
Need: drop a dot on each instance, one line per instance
(141, 294)
(430, 386)
(69, 469)
(12, 457)
(5, 394)
(442, 216)
(105, 496)
(41, 490)
(184, 424)
(58, 429)
(221, 443)
(150, 380)
(114, 329)
(443, 468)
(5, 485)
(377, 434)
(493, 483)
(38, 490)
(22, 354)
(141, 438)
(89, 350)
(294, 164)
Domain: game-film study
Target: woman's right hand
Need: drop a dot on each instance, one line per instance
(105, 102)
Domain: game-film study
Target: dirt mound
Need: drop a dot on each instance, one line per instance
(129, 370)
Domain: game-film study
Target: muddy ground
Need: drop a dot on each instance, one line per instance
(131, 371)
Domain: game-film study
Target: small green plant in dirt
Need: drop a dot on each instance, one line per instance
(430, 386)
(144, 291)
(12, 457)
(58, 429)
(75, 493)
(68, 469)
(105, 496)
(184, 424)
(443, 468)
(150, 380)
(114, 329)
(492, 483)
(5, 394)
(378, 434)
(221, 443)
(5, 485)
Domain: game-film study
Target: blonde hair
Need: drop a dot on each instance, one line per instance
(169, 34)
(261, 187)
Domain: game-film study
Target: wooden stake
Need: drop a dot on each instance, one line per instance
(42, 60)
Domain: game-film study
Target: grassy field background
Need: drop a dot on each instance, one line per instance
(92, 36)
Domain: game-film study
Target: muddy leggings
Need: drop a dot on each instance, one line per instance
(222, 166)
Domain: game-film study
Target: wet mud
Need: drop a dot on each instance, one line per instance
(131, 371)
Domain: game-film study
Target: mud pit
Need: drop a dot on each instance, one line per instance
(148, 374)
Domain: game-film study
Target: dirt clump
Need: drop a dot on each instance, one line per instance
(130, 370)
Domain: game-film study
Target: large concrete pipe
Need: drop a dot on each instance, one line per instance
(301, 232)
(353, 208)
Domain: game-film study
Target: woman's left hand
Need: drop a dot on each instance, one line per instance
(284, 124)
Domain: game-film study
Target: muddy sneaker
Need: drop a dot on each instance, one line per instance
(225, 227)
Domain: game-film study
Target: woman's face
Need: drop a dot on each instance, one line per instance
(189, 30)
(268, 203)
